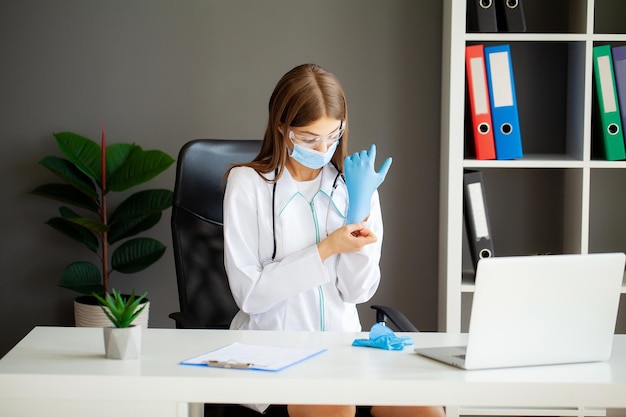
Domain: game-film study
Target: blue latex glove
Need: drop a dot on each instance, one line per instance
(362, 180)
(382, 337)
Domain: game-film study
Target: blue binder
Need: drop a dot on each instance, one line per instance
(504, 114)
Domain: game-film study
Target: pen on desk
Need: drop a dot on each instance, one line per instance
(229, 364)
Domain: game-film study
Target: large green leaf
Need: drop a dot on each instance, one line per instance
(143, 203)
(136, 255)
(67, 171)
(83, 277)
(95, 226)
(65, 193)
(68, 213)
(74, 231)
(140, 166)
(116, 155)
(130, 227)
(82, 152)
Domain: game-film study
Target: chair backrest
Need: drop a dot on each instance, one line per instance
(197, 229)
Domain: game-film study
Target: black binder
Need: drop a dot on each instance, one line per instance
(476, 216)
(510, 15)
(481, 16)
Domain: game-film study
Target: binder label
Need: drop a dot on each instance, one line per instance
(479, 85)
(502, 89)
(477, 207)
(606, 84)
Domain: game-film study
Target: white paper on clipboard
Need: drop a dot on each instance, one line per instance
(254, 357)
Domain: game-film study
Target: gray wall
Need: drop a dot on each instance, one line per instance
(163, 72)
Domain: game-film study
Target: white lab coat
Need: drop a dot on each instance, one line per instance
(296, 291)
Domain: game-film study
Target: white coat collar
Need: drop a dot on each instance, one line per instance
(287, 188)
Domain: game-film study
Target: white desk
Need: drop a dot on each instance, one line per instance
(64, 369)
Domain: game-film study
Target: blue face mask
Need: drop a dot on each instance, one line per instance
(311, 158)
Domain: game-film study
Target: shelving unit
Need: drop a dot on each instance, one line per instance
(559, 198)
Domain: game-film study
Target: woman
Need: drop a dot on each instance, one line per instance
(293, 260)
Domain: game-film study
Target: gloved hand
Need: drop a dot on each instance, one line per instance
(382, 337)
(362, 180)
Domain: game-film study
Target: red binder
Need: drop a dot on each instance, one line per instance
(479, 107)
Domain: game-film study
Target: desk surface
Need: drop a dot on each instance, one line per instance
(69, 363)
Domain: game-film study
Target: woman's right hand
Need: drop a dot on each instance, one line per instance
(349, 238)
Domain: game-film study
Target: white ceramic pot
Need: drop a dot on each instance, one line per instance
(87, 313)
(124, 343)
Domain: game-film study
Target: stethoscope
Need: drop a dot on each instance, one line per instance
(330, 200)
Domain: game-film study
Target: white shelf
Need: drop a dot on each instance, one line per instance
(608, 164)
(529, 161)
(543, 37)
(543, 161)
(609, 38)
(527, 37)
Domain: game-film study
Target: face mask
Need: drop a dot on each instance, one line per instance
(311, 158)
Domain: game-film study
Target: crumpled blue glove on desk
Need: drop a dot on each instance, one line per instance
(382, 337)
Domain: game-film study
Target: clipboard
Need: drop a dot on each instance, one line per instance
(253, 357)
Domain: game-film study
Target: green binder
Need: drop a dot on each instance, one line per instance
(608, 107)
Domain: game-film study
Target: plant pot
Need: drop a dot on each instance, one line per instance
(122, 343)
(87, 313)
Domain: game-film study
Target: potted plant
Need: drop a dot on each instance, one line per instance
(90, 173)
(123, 339)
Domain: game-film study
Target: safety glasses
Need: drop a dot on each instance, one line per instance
(313, 141)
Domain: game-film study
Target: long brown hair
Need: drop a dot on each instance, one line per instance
(303, 95)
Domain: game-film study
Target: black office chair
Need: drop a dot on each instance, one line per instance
(198, 239)
(197, 231)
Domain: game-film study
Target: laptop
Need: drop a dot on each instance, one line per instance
(540, 310)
